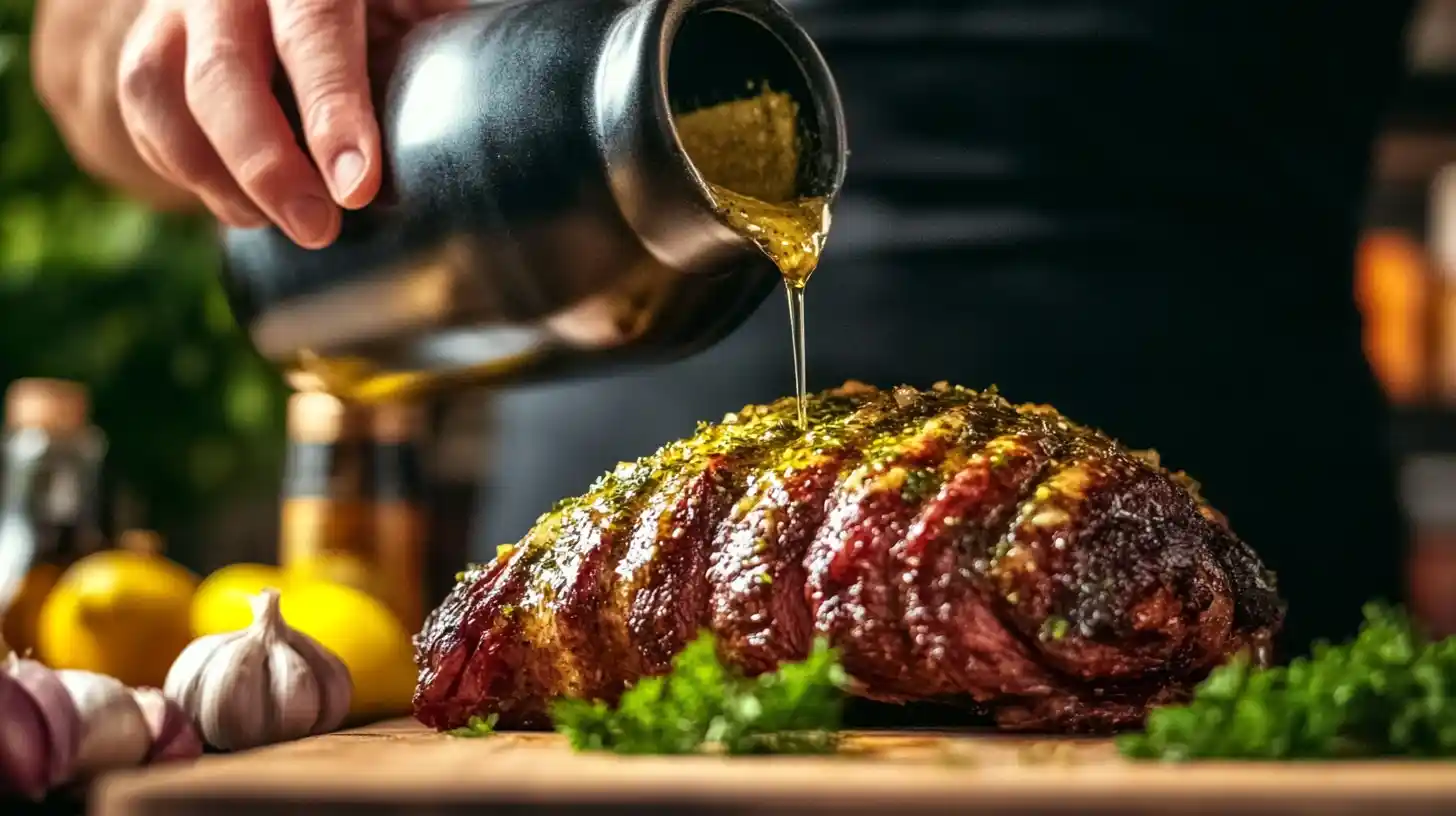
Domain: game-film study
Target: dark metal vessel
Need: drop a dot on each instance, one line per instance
(539, 217)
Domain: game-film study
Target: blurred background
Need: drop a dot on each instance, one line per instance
(95, 289)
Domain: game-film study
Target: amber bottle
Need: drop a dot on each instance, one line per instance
(326, 524)
(400, 517)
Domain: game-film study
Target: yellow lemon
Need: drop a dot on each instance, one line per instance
(119, 613)
(335, 568)
(365, 635)
(223, 602)
(22, 618)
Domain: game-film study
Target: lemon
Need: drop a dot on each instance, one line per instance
(22, 618)
(335, 568)
(223, 602)
(119, 613)
(364, 634)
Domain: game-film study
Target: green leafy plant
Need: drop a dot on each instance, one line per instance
(476, 727)
(1389, 692)
(100, 289)
(703, 704)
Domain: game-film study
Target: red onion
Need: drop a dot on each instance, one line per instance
(58, 711)
(174, 737)
(23, 742)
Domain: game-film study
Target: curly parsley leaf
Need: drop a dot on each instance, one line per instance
(476, 727)
(702, 704)
(1388, 692)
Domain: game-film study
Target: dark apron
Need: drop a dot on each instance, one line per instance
(1142, 213)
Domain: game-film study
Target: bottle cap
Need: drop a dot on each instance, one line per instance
(314, 416)
(60, 406)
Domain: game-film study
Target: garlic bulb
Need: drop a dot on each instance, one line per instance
(61, 739)
(174, 737)
(264, 684)
(23, 752)
(113, 730)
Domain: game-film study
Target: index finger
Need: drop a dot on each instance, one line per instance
(228, 91)
(322, 45)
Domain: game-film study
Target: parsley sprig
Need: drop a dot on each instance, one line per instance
(1388, 692)
(476, 727)
(704, 705)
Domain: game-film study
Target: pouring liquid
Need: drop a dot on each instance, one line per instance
(748, 152)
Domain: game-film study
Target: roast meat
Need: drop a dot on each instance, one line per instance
(953, 547)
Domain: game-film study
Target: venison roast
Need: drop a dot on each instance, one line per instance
(951, 545)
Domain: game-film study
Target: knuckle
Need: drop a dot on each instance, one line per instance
(190, 166)
(215, 68)
(313, 39)
(331, 111)
(265, 171)
(307, 23)
(142, 72)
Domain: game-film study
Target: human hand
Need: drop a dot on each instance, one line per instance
(194, 89)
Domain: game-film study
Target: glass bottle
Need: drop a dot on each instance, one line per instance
(325, 528)
(48, 507)
(400, 517)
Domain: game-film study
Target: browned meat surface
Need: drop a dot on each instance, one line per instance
(951, 545)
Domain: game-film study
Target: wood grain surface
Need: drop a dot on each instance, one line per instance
(399, 767)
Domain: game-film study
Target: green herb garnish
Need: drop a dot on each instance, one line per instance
(1389, 692)
(703, 705)
(476, 727)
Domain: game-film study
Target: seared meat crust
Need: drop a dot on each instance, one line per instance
(950, 544)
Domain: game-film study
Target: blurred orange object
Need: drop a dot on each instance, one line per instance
(1394, 287)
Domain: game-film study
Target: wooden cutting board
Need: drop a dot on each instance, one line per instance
(399, 767)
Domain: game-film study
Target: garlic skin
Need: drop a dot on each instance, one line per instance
(113, 730)
(62, 721)
(23, 749)
(264, 684)
(174, 737)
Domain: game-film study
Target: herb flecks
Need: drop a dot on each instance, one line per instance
(1386, 693)
(476, 727)
(703, 705)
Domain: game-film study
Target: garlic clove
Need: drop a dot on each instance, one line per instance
(336, 685)
(24, 747)
(174, 737)
(234, 696)
(113, 731)
(182, 683)
(62, 720)
(294, 690)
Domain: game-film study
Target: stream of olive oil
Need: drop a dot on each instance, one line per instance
(747, 151)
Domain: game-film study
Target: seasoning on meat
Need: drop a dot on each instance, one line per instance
(951, 546)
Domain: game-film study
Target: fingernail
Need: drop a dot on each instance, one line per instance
(348, 171)
(310, 218)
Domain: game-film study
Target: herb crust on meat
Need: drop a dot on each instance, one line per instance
(949, 544)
